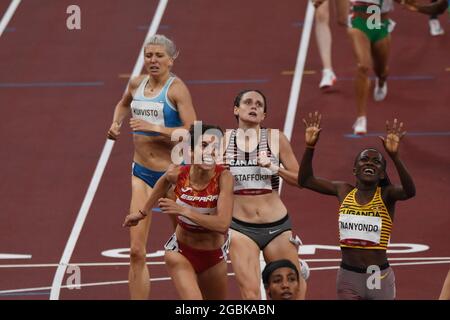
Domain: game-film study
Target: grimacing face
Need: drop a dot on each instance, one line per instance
(283, 284)
(156, 59)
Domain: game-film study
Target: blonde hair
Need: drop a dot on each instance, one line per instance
(162, 40)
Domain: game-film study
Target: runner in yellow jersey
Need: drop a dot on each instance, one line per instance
(366, 212)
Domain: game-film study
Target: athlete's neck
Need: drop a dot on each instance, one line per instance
(158, 81)
(249, 126)
(199, 176)
(360, 185)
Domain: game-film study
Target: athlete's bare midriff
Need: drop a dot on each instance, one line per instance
(200, 240)
(153, 152)
(263, 208)
(363, 258)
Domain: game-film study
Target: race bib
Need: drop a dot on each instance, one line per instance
(359, 230)
(251, 178)
(149, 111)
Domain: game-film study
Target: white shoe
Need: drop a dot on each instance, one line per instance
(360, 126)
(391, 25)
(435, 27)
(304, 270)
(379, 93)
(328, 79)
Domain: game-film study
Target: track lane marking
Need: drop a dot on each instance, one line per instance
(8, 15)
(95, 181)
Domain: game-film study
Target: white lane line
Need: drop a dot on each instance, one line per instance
(298, 75)
(113, 264)
(391, 264)
(390, 259)
(81, 285)
(294, 94)
(93, 264)
(14, 256)
(4, 292)
(81, 217)
(299, 68)
(8, 15)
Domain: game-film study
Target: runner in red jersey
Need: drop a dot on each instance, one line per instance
(196, 254)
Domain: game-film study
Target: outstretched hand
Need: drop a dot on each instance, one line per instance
(114, 131)
(393, 136)
(312, 128)
(132, 219)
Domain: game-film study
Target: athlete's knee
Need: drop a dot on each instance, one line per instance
(363, 69)
(169, 260)
(137, 254)
(251, 294)
(322, 17)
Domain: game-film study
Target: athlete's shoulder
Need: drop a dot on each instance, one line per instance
(136, 81)
(225, 174)
(172, 173)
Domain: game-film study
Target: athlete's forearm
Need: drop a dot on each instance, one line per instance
(405, 178)
(306, 169)
(291, 177)
(159, 191)
(120, 112)
(218, 223)
(165, 131)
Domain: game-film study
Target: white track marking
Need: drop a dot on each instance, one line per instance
(298, 75)
(168, 278)
(14, 256)
(81, 217)
(113, 264)
(93, 284)
(8, 15)
(294, 94)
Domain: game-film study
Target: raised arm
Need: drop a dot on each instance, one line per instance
(306, 176)
(162, 186)
(179, 95)
(391, 144)
(219, 222)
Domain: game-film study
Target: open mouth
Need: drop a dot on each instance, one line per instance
(253, 114)
(208, 160)
(154, 68)
(369, 171)
(286, 295)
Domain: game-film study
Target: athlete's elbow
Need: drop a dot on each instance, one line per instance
(302, 181)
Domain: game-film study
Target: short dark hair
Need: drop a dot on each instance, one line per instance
(237, 100)
(274, 265)
(205, 127)
(385, 181)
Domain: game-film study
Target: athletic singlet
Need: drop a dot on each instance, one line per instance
(157, 110)
(366, 226)
(249, 177)
(203, 201)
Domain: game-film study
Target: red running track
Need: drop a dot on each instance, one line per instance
(56, 130)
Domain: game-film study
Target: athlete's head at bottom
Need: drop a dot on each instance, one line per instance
(281, 280)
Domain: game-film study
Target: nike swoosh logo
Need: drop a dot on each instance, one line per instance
(274, 231)
(186, 189)
(384, 276)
